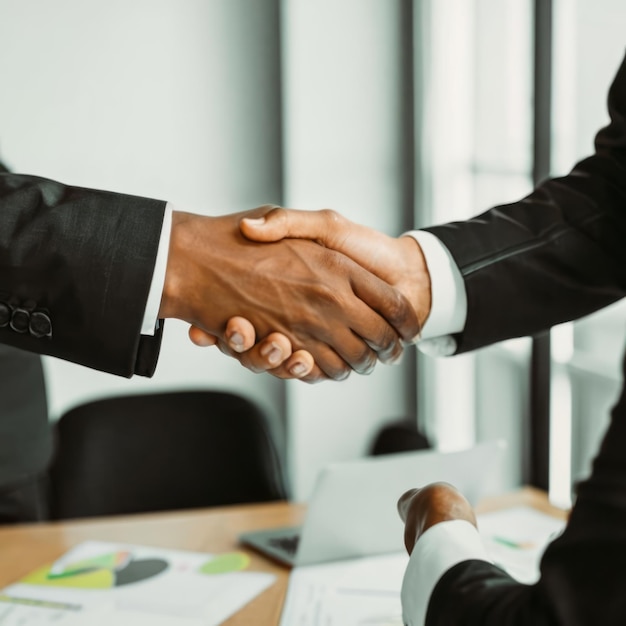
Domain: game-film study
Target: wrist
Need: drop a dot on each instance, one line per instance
(416, 285)
(174, 300)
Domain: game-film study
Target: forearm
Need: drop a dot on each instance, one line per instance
(556, 255)
(85, 257)
(547, 263)
(477, 593)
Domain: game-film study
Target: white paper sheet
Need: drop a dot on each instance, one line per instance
(108, 583)
(359, 592)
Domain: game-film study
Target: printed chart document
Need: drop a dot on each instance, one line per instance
(100, 583)
(366, 591)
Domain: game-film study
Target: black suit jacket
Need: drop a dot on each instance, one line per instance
(557, 255)
(75, 271)
(24, 431)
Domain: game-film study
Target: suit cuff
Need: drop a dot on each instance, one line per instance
(448, 298)
(441, 547)
(150, 318)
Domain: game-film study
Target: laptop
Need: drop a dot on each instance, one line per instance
(352, 511)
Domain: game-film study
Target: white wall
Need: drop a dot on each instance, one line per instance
(343, 147)
(183, 100)
(476, 154)
(589, 47)
(168, 99)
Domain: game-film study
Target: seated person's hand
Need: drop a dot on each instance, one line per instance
(422, 508)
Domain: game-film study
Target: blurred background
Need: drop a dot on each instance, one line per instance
(397, 113)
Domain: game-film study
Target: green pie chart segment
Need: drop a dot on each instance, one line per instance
(226, 563)
(111, 561)
(95, 579)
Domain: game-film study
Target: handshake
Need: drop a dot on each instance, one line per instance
(307, 295)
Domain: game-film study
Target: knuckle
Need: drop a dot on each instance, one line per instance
(278, 212)
(337, 371)
(280, 216)
(332, 224)
(365, 361)
(401, 315)
(329, 295)
(330, 216)
(396, 307)
(393, 354)
(342, 374)
(388, 340)
(252, 364)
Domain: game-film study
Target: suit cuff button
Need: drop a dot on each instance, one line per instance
(19, 320)
(5, 314)
(40, 325)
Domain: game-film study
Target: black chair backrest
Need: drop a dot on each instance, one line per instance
(399, 436)
(162, 451)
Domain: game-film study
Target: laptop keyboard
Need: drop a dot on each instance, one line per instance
(289, 544)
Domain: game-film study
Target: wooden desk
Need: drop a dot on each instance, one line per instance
(23, 548)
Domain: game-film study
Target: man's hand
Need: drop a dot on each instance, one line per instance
(272, 354)
(318, 299)
(422, 508)
(397, 261)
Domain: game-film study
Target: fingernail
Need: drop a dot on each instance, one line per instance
(274, 356)
(272, 352)
(415, 339)
(394, 359)
(203, 341)
(298, 369)
(255, 221)
(235, 341)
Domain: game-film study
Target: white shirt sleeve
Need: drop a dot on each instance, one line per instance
(151, 314)
(448, 298)
(441, 547)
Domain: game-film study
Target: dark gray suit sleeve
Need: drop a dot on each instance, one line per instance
(557, 255)
(75, 271)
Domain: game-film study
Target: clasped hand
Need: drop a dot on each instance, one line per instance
(321, 294)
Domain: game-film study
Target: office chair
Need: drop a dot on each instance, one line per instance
(162, 451)
(399, 436)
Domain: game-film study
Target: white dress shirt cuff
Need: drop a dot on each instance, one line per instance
(448, 298)
(151, 315)
(441, 547)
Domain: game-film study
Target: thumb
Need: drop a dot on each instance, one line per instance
(404, 503)
(269, 227)
(279, 223)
